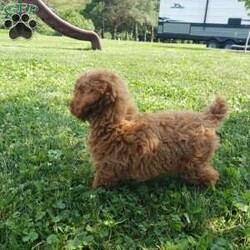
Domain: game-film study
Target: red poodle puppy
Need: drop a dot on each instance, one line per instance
(126, 144)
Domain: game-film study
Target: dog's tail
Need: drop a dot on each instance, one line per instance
(216, 112)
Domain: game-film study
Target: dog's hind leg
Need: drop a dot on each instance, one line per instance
(198, 169)
(208, 176)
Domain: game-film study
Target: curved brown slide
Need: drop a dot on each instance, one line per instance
(58, 24)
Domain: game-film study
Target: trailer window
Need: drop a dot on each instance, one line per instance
(234, 21)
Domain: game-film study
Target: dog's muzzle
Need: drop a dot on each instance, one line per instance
(74, 110)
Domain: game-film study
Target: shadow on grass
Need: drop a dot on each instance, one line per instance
(45, 130)
(46, 175)
(48, 47)
(181, 47)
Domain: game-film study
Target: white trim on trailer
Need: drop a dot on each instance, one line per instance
(247, 41)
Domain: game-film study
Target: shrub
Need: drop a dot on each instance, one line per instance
(71, 16)
(74, 17)
(44, 29)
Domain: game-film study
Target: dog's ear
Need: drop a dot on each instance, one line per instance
(109, 95)
(103, 94)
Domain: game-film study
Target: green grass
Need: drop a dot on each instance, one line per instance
(45, 169)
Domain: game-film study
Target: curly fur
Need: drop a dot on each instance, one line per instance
(125, 144)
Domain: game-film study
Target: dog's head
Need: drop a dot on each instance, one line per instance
(96, 92)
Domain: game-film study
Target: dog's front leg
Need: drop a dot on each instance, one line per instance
(104, 177)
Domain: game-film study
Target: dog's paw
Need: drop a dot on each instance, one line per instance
(20, 26)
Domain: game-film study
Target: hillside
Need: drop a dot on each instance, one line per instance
(63, 4)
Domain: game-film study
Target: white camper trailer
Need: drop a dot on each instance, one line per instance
(220, 23)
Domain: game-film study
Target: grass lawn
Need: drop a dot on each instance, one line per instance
(45, 169)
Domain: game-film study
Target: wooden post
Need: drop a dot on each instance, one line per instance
(60, 25)
(247, 41)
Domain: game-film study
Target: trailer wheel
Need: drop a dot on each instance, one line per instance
(228, 44)
(213, 44)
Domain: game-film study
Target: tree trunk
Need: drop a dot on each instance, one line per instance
(152, 34)
(136, 32)
(145, 34)
(114, 35)
(126, 36)
(103, 28)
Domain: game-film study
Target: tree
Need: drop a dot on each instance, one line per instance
(95, 11)
(108, 14)
(129, 16)
(247, 3)
(149, 11)
(143, 16)
(116, 12)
